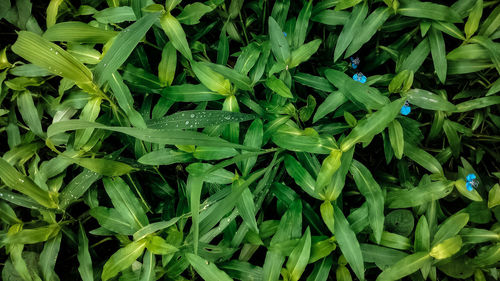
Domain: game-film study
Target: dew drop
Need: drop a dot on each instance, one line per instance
(21, 180)
(57, 53)
(51, 49)
(191, 126)
(192, 115)
(187, 122)
(182, 114)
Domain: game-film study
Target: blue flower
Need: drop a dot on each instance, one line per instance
(354, 62)
(406, 109)
(284, 33)
(359, 77)
(472, 182)
(470, 177)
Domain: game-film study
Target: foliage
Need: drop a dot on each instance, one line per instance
(235, 139)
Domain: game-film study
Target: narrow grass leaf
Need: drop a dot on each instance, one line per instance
(207, 270)
(351, 29)
(406, 198)
(84, 259)
(370, 26)
(176, 34)
(299, 257)
(279, 44)
(372, 125)
(78, 32)
(370, 189)
(50, 56)
(438, 52)
(122, 47)
(429, 10)
(19, 182)
(122, 259)
(404, 267)
(348, 243)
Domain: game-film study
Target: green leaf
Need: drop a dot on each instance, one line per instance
(115, 15)
(447, 248)
(396, 138)
(175, 137)
(84, 259)
(112, 220)
(300, 175)
(474, 17)
(278, 86)
(167, 65)
(428, 100)
(207, 270)
(153, 227)
(462, 188)
(33, 235)
(477, 103)
(423, 158)
(404, 267)
(78, 32)
(331, 103)
(19, 182)
(122, 47)
(405, 198)
(48, 257)
(329, 166)
(416, 58)
(330, 17)
(428, 10)
(29, 113)
(279, 44)
(300, 33)
(491, 24)
(39, 51)
(372, 125)
(192, 13)
(370, 26)
(190, 119)
(370, 189)
(450, 227)
(190, 93)
(299, 257)
(351, 29)
(148, 267)
(211, 79)
(304, 52)
(239, 80)
(494, 196)
(348, 243)
(438, 51)
(159, 246)
(355, 91)
(176, 34)
(448, 28)
(253, 138)
(122, 259)
(422, 235)
(125, 202)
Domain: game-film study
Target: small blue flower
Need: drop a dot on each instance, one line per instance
(406, 109)
(472, 182)
(359, 77)
(470, 177)
(284, 33)
(354, 62)
(469, 186)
